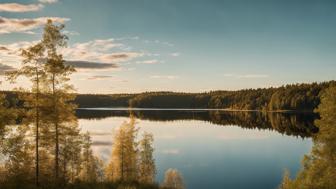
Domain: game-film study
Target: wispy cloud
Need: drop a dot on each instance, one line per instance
(5, 68)
(170, 77)
(25, 25)
(10, 53)
(3, 48)
(154, 61)
(100, 77)
(120, 56)
(246, 76)
(176, 54)
(165, 43)
(92, 55)
(99, 50)
(91, 65)
(16, 7)
(67, 32)
(48, 1)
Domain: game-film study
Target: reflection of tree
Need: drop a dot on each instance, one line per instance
(319, 167)
(123, 160)
(7, 116)
(131, 160)
(146, 165)
(132, 163)
(91, 166)
(173, 180)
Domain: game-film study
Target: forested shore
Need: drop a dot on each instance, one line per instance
(295, 97)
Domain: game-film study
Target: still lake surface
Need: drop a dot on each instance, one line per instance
(212, 148)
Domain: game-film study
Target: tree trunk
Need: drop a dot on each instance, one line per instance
(37, 120)
(56, 131)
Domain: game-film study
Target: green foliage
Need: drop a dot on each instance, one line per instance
(298, 97)
(319, 167)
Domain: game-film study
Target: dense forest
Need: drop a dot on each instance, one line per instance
(319, 167)
(296, 97)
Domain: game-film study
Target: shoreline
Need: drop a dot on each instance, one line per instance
(189, 109)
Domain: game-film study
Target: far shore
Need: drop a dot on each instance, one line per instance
(191, 109)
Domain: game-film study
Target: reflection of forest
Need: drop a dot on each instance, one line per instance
(131, 165)
(286, 123)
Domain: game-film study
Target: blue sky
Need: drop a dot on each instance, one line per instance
(181, 45)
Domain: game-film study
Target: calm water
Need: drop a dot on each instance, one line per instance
(212, 149)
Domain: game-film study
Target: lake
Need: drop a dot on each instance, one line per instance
(212, 148)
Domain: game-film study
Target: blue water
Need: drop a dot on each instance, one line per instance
(211, 156)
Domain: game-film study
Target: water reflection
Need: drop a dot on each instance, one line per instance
(286, 123)
(131, 164)
(222, 159)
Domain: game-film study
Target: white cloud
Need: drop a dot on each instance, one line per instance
(154, 61)
(10, 53)
(176, 54)
(246, 76)
(170, 77)
(16, 7)
(100, 50)
(48, 1)
(15, 25)
(67, 32)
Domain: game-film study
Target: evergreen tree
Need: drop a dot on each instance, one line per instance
(319, 167)
(32, 68)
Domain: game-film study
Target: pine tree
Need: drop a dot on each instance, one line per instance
(61, 111)
(32, 68)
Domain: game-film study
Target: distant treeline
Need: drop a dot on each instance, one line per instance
(294, 97)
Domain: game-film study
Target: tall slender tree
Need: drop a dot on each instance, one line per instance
(59, 91)
(33, 68)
